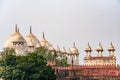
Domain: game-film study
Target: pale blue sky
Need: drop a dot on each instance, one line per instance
(64, 22)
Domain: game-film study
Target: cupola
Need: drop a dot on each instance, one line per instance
(111, 47)
(99, 48)
(44, 42)
(74, 50)
(88, 48)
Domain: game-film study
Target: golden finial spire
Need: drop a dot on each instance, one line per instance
(15, 27)
(30, 29)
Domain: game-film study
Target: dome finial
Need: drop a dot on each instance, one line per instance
(73, 43)
(15, 27)
(88, 44)
(18, 30)
(99, 43)
(30, 29)
(111, 43)
(43, 35)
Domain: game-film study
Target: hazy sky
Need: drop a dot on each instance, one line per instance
(64, 22)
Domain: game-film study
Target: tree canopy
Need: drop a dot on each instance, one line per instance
(32, 66)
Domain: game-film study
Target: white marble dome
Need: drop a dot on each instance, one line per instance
(9, 41)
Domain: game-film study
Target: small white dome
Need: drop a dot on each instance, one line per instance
(88, 48)
(74, 50)
(99, 47)
(111, 47)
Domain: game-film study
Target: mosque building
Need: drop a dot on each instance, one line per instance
(22, 45)
(98, 67)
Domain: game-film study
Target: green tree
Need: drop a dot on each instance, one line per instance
(50, 57)
(32, 66)
(45, 53)
(62, 62)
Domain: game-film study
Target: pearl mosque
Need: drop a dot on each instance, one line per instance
(21, 45)
(97, 67)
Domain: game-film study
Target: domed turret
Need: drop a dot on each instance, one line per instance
(88, 48)
(17, 42)
(74, 50)
(111, 47)
(16, 37)
(111, 50)
(44, 42)
(30, 37)
(88, 51)
(99, 48)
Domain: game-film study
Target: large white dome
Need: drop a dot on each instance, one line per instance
(9, 41)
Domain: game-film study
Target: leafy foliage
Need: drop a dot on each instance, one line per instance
(32, 66)
(45, 53)
(62, 62)
(50, 57)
